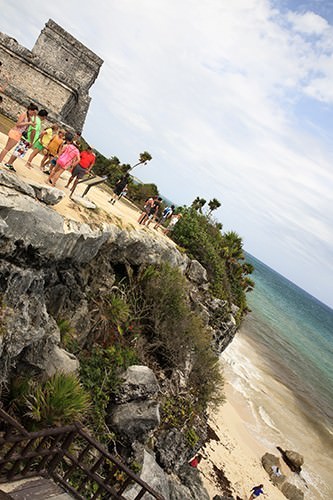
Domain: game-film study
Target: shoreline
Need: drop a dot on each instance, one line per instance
(260, 414)
(237, 453)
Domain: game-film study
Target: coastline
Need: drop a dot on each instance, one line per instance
(260, 414)
(237, 453)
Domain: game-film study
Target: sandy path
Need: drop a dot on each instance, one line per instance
(123, 213)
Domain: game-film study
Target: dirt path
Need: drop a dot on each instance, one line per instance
(123, 213)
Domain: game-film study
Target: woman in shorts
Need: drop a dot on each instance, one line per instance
(69, 157)
(14, 135)
(52, 150)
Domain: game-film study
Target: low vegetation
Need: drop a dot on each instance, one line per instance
(60, 400)
(220, 253)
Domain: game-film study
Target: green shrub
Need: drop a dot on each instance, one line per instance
(220, 253)
(177, 336)
(58, 401)
(100, 371)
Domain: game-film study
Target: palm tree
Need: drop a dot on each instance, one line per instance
(144, 158)
(198, 203)
(114, 160)
(233, 246)
(213, 204)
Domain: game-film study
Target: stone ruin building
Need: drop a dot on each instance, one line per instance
(56, 75)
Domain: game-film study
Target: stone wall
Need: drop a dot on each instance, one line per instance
(56, 75)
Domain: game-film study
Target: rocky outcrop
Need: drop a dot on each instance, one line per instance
(50, 266)
(134, 420)
(196, 273)
(47, 194)
(270, 463)
(293, 459)
(50, 269)
(136, 412)
(139, 382)
(189, 488)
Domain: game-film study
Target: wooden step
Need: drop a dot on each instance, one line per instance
(33, 489)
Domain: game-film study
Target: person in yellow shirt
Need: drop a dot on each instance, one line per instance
(40, 146)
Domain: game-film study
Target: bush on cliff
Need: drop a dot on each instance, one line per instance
(60, 400)
(220, 253)
(100, 370)
(177, 337)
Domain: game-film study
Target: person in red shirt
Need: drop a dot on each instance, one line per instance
(86, 163)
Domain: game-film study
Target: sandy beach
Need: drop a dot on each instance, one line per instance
(237, 453)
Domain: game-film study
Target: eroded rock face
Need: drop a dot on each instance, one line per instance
(196, 273)
(26, 320)
(139, 382)
(153, 475)
(135, 420)
(170, 487)
(136, 412)
(47, 194)
(50, 267)
(15, 183)
(172, 450)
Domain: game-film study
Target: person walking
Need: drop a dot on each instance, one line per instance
(40, 144)
(153, 211)
(32, 137)
(148, 204)
(166, 214)
(86, 163)
(15, 134)
(257, 491)
(52, 150)
(69, 156)
(120, 188)
(174, 219)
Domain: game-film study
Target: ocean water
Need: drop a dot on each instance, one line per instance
(281, 365)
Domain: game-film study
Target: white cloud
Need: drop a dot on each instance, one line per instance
(308, 23)
(228, 97)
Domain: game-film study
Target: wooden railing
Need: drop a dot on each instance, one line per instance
(70, 456)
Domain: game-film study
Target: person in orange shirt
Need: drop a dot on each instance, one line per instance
(52, 149)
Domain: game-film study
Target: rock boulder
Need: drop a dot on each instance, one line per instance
(196, 273)
(135, 420)
(293, 459)
(291, 491)
(139, 382)
(47, 194)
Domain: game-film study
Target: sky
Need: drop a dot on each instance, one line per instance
(233, 99)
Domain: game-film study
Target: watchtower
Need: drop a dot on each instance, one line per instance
(62, 51)
(56, 75)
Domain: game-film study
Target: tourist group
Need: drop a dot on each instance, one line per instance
(62, 151)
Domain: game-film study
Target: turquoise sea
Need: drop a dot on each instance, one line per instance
(281, 363)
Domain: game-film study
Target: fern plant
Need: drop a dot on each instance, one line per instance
(58, 401)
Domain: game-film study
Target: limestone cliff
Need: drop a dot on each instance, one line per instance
(49, 265)
(50, 268)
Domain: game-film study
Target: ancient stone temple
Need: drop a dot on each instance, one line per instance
(56, 75)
